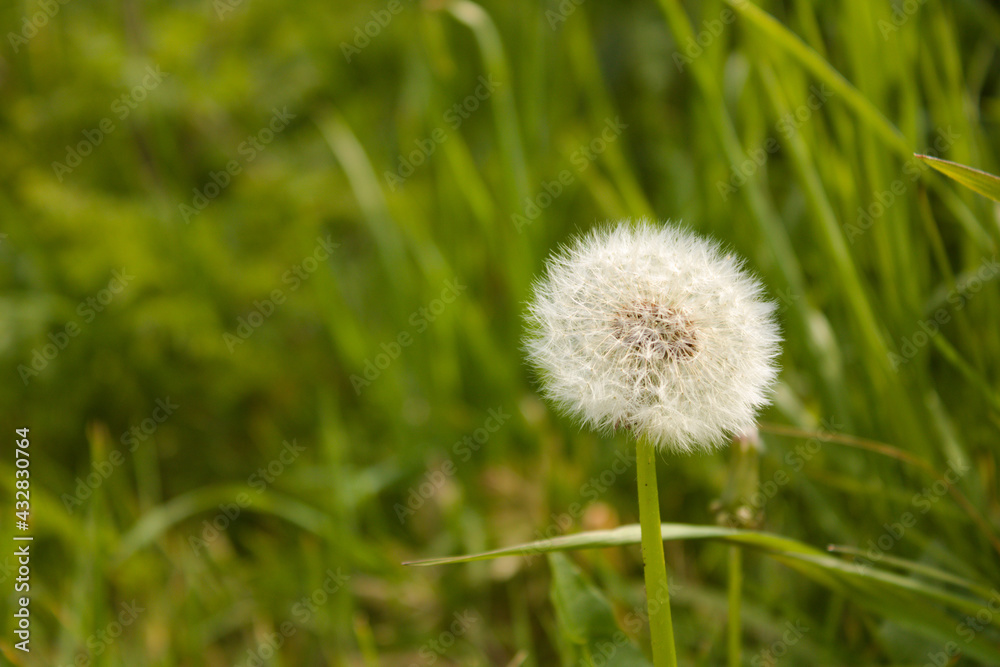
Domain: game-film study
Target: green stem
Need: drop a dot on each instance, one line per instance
(661, 627)
(735, 591)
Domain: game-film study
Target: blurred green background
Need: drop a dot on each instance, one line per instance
(264, 268)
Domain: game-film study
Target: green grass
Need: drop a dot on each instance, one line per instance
(852, 296)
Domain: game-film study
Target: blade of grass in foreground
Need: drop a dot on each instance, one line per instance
(912, 602)
(624, 535)
(779, 546)
(984, 183)
(899, 455)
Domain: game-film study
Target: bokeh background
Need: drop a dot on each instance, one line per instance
(264, 268)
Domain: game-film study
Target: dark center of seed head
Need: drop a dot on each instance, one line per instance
(655, 331)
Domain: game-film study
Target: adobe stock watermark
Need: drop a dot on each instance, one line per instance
(230, 512)
(463, 450)
(902, 11)
(420, 320)
(922, 501)
(101, 640)
(294, 277)
(786, 126)
(581, 159)
(930, 327)
(458, 113)
(87, 310)
(248, 150)
(364, 34)
(31, 25)
(711, 30)
(913, 168)
(590, 491)
(301, 611)
(132, 438)
(793, 634)
(434, 649)
(121, 108)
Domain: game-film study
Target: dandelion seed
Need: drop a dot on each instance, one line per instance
(653, 329)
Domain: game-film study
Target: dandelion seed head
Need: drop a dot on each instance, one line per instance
(653, 329)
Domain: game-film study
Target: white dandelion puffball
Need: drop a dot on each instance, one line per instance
(653, 329)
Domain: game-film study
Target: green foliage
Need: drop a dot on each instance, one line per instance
(985, 184)
(785, 130)
(586, 620)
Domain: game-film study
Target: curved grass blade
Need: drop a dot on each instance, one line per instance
(917, 568)
(982, 182)
(782, 547)
(585, 616)
(899, 455)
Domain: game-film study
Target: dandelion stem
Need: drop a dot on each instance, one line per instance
(661, 627)
(735, 593)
